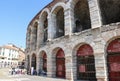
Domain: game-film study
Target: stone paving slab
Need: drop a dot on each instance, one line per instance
(5, 76)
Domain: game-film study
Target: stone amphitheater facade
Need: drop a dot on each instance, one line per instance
(66, 31)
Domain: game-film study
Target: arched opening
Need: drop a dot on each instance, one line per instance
(44, 58)
(85, 63)
(60, 64)
(110, 10)
(45, 26)
(58, 22)
(35, 33)
(81, 16)
(33, 63)
(113, 60)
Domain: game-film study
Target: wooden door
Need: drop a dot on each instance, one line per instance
(113, 60)
(45, 62)
(85, 63)
(114, 67)
(60, 64)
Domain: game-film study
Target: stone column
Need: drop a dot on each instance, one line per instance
(32, 46)
(69, 64)
(52, 23)
(38, 63)
(100, 61)
(30, 62)
(69, 19)
(38, 36)
(27, 36)
(49, 67)
(69, 70)
(95, 14)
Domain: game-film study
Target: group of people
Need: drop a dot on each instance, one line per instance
(40, 72)
(14, 71)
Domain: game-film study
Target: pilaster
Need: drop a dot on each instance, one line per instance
(69, 19)
(95, 13)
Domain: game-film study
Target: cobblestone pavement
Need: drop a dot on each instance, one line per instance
(5, 76)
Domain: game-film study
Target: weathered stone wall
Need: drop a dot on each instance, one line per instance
(97, 37)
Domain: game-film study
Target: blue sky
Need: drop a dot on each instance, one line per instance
(15, 16)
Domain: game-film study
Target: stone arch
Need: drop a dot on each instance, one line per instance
(43, 61)
(44, 24)
(34, 31)
(44, 10)
(113, 56)
(61, 4)
(58, 59)
(33, 61)
(57, 15)
(79, 52)
(81, 15)
(110, 11)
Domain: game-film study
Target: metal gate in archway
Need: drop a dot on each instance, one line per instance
(113, 60)
(85, 63)
(60, 64)
(45, 62)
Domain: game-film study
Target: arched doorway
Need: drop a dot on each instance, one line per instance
(58, 23)
(113, 60)
(60, 64)
(85, 63)
(81, 16)
(33, 63)
(35, 31)
(45, 62)
(110, 10)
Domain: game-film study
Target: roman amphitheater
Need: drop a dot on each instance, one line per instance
(77, 40)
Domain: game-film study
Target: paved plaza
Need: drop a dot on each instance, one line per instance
(5, 76)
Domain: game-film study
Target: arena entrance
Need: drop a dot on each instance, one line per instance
(60, 64)
(45, 62)
(113, 60)
(33, 64)
(86, 63)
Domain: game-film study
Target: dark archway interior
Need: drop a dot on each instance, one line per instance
(82, 16)
(45, 21)
(33, 64)
(44, 62)
(110, 11)
(35, 33)
(60, 23)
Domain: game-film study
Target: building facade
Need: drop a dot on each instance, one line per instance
(76, 40)
(11, 56)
